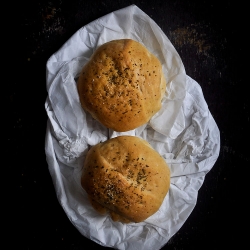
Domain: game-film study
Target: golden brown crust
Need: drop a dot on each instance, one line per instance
(127, 177)
(122, 85)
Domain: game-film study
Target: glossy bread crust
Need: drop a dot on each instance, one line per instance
(122, 85)
(126, 177)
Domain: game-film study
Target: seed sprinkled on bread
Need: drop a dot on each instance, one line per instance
(122, 85)
(126, 177)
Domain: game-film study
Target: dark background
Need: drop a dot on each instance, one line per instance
(208, 35)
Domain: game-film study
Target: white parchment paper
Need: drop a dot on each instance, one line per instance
(183, 132)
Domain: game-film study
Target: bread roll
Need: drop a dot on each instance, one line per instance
(122, 85)
(126, 177)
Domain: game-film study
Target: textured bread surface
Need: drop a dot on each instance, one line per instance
(122, 85)
(126, 177)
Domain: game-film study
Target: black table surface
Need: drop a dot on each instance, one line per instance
(208, 37)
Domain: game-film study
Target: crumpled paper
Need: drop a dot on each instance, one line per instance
(183, 132)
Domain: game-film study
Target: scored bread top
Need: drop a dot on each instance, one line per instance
(126, 177)
(122, 85)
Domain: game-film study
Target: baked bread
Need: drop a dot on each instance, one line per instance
(122, 85)
(126, 177)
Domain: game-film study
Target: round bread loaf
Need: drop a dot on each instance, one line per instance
(122, 85)
(126, 177)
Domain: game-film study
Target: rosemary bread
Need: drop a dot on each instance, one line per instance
(122, 85)
(126, 177)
